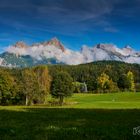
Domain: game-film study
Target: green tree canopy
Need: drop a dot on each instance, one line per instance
(30, 85)
(61, 86)
(6, 87)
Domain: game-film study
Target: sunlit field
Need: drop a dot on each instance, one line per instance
(107, 101)
(84, 116)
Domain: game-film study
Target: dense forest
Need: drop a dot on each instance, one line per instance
(89, 73)
(33, 85)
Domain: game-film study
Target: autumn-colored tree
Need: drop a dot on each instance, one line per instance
(44, 80)
(130, 78)
(113, 86)
(103, 82)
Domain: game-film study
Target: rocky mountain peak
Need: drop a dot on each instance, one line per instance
(107, 47)
(99, 45)
(54, 51)
(84, 47)
(128, 47)
(128, 50)
(55, 42)
(20, 44)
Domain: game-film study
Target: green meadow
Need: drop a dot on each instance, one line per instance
(83, 117)
(107, 101)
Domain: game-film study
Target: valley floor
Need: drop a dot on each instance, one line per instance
(90, 117)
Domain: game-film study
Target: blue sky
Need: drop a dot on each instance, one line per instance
(74, 22)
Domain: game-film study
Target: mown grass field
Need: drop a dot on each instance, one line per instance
(91, 117)
(107, 101)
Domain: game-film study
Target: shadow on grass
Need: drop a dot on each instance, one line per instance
(67, 124)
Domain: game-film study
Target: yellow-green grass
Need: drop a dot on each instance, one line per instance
(93, 117)
(107, 101)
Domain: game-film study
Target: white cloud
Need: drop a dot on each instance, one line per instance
(87, 54)
(49, 51)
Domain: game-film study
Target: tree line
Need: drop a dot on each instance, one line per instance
(117, 73)
(32, 85)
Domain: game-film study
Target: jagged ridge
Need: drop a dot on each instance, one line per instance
(54, 52)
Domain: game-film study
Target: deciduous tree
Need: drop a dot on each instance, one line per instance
(61, 86)
(30, 85)
(130, 77)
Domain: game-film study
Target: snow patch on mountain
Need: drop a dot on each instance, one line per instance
(132, 59)
(55, 49)
(1, 61)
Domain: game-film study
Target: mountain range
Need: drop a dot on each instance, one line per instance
(54, 52)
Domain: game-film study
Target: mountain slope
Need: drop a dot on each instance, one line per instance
(54, 52)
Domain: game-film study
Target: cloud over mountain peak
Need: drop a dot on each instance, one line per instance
(54, 50)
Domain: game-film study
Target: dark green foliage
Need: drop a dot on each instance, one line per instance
(122, 82)
(30, 86)
(137, 86)
(61, 86)
(6, 87)
(89, 73)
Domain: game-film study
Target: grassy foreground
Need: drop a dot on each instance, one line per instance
(93, 117)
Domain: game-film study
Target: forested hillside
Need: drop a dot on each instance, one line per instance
(33, 85)
(89, 73)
